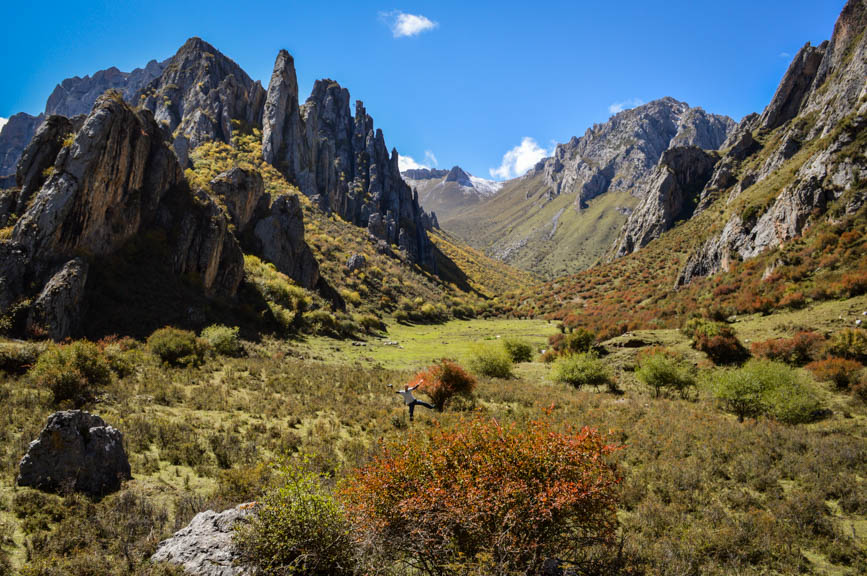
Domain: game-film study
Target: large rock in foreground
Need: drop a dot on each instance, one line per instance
(204, 547)
(76, 450)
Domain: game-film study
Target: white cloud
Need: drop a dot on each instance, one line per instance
(405, 163)
(430, 158)
(785, 56)
(403, 24)
(519, 159)
(3, 122)
(625, 105)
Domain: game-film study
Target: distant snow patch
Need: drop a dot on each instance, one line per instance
(486, 187)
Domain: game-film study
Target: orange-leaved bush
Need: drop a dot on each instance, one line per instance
(796, 351)
(844, 373)
(484, 498)
(443, 380)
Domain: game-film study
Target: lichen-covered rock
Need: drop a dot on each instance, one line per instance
(205, 547)
(356, 262)
(76, 450)
(284, 144)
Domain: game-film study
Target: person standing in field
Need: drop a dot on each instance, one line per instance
(410, 400)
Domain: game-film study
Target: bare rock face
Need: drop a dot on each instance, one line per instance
(14, 137)
(673, 194)
(200, 92)
(205, 547)
(628, 146)
(76, 450)
(280, 237)
(76, 95)
(39, 156)
(794, 87)
(58, 306)
(117, 179)
(243, 193)
(340, 161)
(283, 142)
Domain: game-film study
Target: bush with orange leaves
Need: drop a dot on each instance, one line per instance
(488, 499)
(444, 380)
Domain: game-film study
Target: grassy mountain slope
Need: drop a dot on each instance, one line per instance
(551, 237)
(829, 260)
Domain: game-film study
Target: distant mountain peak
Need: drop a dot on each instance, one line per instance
(456, 174)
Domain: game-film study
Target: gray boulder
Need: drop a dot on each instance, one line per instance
(356, 262)
(76, 450)
(58, 307)
(204, 547)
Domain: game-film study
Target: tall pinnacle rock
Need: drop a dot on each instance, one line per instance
(341, 161)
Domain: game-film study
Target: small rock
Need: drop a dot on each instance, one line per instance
(356, 262)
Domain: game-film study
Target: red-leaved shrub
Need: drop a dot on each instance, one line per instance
(485, 498)
(797, 350)
(444, 380)
(842, 372)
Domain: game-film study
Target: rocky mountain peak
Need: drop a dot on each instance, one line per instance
(629, 145)
(341, 161)
(424, 173)
(198, 95)
(456, 174)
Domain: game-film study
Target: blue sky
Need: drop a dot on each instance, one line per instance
(487, 85)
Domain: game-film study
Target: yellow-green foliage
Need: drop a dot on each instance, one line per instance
(286, 300)
(491, 359)
(73, 372)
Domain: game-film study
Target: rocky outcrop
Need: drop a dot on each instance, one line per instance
(284, 143)
(200, 93)
(78, 451)
(14, 138)
(340, 161)
(794, 87)
(823, 92)
(356, 262)
(38, 158)
(839, 86)
(243, 193)
(673, 193)
(58, 306)
(424, 174)
(117, 179)
(205, 546)
(280, 239)
(621, 154)
(76, 95)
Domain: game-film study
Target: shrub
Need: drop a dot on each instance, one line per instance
(370, 323)
(491, 359)
(444, 380)
(123, 354)
(767, 387)
(17, 358)
(481, 498)
(579, 370)
(223, 340)
(715, 339)
(177, 347)
(660, 368)
(72, 371)
(849, 343)
(518, 350)
(299, 528)
(842, 372)
(797, 351)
